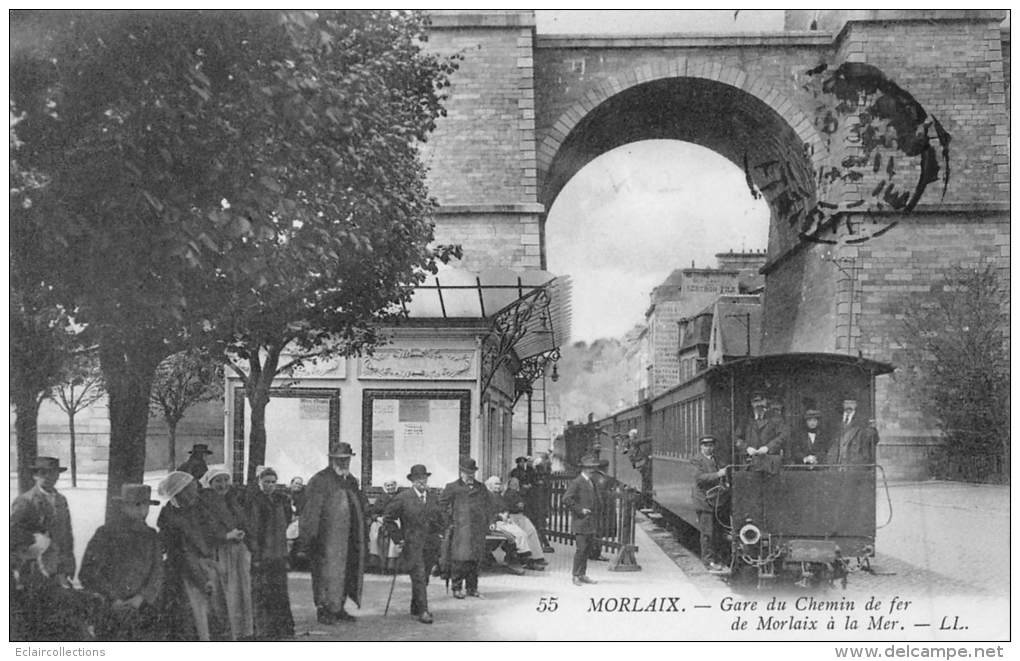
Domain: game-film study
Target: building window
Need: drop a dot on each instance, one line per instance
(401, 428)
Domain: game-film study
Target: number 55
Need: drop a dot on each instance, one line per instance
(547, 605)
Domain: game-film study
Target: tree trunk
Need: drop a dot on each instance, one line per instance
(128, 372)
(74, 453)
(171, 426)
(26, 410)
(257, 436)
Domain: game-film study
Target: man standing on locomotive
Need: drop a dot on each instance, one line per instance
(762, 434)
(711, 502)
(857, 439)
(807, 445)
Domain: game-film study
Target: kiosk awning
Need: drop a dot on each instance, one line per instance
(528, 312)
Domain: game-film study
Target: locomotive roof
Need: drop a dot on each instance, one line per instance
(769, 360)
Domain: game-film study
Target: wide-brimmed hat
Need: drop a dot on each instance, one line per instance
(200, 448)
(136, 494)
(812, 413)
(520, 459)
(48, 463)
(588, 461)
(707, 438)
(418, 470)
(341, 450)
(468, 465)
(174, 483)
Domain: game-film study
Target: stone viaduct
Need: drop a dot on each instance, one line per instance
(528, 111)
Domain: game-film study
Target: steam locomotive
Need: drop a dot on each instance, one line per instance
(807, 523)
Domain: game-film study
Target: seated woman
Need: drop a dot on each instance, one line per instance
(515, 504)
(504, 525)
(382, 552)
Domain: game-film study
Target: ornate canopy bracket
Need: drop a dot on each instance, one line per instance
(531, 370)
(509, 326)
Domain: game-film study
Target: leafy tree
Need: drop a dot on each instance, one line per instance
(183, 380)
(204, 166)
(39, 340)
(353, 213)
(81, 386)
(959, 365)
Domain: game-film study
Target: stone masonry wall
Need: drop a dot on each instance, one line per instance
(482, 156)
(896, 269)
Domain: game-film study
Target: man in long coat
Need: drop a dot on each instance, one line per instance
(711, 502)
(468, 510)
(857, 440)
(807, 445)
(42, 605)
(332, 528)
(124, 563)
(762, 433)
(583, 500)
(41, 520)
(414, 519)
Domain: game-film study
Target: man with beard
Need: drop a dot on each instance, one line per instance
(332, 528)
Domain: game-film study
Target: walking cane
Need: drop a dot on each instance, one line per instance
(393, 584)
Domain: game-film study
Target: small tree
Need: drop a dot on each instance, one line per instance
(183, 380)
(81, 386)
(959, 365)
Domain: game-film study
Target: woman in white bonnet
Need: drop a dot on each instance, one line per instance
(228, 529)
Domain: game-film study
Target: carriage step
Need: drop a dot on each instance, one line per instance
(655, 516)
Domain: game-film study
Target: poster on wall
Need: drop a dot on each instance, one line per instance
(410, 431)
(297, 436)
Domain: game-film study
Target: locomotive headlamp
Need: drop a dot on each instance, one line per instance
(750, 534)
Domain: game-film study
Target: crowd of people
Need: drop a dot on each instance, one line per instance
(216, 565)
(216, 569)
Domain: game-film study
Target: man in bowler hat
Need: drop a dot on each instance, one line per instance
(332, 528)
(420, 521)
(583, 501)
(467, 510)
(195, 464)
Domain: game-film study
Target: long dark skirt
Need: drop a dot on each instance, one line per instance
(273, 619)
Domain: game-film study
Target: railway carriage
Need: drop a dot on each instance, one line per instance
(796, 520)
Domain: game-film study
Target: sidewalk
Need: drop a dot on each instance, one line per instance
(510, 608)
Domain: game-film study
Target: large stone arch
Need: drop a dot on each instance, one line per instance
(706, 103)
(759, 88)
